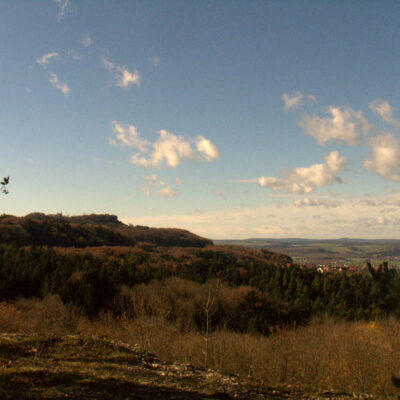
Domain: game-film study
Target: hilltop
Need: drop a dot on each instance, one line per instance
(89, 230)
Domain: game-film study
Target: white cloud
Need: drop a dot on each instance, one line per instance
(306, 179)
(384, 110)
(292, 101)
(208, 149)
(308, 202)
(123, 77)
(63, 6)
(63, 87)
(296, 100)
(168, 150)
(178, 181)
(385, 156)
(127, 136)
(171, 149)
(87, 41)
(343, 124)
(167, 191)
(44, 60)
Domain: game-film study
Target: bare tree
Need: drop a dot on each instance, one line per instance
(213, 290)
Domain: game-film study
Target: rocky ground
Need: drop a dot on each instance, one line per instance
(73, 367)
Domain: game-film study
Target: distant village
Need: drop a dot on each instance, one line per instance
(350, 266)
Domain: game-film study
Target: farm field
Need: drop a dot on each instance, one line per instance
(308, 251)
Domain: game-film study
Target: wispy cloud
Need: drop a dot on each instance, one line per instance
(62, 86)
(63, 7)
(164, 190)
(87, 41)
(168, 192)
(122, 76)
(74, 55)
(127, 136)
(385, 156)
(385, 111)
(343, 124)
(155, 61)
(306, 179)
(351, 218)
(296, 100)
(310, 202)
(44, 60)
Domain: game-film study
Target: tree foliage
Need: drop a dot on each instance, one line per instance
(4, 183)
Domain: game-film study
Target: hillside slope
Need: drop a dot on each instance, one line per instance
(74, 367)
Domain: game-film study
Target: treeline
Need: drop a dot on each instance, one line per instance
(88, 230)
(254, 295)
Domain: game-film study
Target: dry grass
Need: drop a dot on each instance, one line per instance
(350, 357)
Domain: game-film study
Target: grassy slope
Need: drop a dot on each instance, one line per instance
(39, 367)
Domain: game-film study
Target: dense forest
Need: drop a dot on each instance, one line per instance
(257, 290)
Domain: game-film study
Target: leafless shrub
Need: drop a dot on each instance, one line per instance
(326, 354)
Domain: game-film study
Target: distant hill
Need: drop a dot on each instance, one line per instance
(320, 251)
(89, 230)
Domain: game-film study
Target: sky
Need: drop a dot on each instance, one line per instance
(232, 119)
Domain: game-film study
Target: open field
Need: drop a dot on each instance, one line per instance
(351, 251)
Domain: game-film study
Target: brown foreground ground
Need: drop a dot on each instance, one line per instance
(75, 367)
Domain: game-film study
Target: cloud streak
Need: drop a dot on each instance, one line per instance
(309, 202)
(61, 86)
(63, 6)
(351, 218)
(44, 60)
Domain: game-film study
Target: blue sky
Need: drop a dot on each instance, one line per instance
(232, 119)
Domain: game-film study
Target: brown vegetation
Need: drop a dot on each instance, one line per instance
(343, 356)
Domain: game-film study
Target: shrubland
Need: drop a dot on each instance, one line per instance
(325, 354)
